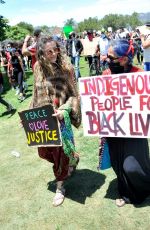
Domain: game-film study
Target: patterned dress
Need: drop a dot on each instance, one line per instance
(60, 91)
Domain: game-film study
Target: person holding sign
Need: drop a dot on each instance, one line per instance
(129, 156)
(55, 84)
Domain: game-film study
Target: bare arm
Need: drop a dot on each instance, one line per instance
(25, 50)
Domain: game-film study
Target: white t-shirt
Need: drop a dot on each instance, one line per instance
(146, 52)
(73, 49)
(104, 44)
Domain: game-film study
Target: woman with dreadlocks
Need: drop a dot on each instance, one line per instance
(129, 156)
(54, 83)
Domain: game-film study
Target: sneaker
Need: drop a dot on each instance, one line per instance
(17, 92)
(10, 108)
(21, 97)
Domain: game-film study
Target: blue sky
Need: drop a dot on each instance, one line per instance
(56, 12)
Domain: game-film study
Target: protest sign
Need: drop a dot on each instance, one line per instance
(41, 127)
(116, 105)
(67, 29)
(89, 47)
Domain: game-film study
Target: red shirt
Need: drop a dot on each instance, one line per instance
(32, 50)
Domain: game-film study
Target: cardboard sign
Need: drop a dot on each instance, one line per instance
(41, 127)
(89, 47)
(116, 105)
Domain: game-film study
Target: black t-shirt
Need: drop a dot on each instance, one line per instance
(16, 64)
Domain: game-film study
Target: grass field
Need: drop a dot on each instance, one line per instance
(27, 184)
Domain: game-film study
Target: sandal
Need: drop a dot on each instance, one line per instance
(120, 202)
(59, 197)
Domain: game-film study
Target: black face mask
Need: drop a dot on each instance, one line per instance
(115, 67)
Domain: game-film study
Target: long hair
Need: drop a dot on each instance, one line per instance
(124, 47)
(46, 67)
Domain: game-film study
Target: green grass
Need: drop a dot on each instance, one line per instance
(27, 184)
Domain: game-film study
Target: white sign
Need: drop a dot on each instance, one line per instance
(116, 105)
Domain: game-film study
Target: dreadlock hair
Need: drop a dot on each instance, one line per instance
(46, 67)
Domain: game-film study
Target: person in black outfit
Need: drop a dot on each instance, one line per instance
(129, 156)
(18, 72)
(2, 101)
(74, 48)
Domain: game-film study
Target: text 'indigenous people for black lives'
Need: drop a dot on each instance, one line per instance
(117, 105)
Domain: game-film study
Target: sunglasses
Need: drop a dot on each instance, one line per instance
(52, 51)
(111, 58)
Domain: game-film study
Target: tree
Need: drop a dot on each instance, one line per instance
(45, 29)
(113, 20)
(134, 20)
(3, 27)
(90, 23)
(26, 26)
(70, 22)
(16, 33)
(2, 2)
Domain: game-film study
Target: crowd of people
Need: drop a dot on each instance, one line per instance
(13, 64)
(56, 70)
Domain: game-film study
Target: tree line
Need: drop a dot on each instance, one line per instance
(112, 20)
(19, 31)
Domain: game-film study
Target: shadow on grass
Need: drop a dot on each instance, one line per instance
(10, 113)
(112, 193)
(82, 184)
(28, 90)
(27, 96)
